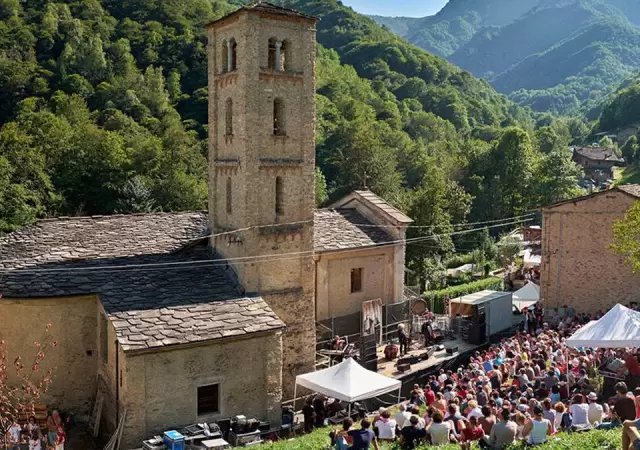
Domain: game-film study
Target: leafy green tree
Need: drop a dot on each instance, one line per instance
(625, 237)
(509, 247)
(321, 188)
(135, 197)
(630, 150)
(557, 177)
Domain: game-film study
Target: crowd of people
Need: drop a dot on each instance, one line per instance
(30, 436)
(526, 388)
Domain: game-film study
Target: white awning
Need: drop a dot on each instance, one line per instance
(526, 296)
(348, 381)
(620, 327)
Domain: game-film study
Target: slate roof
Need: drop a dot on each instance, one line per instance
(631, 189)
(269, 8)
(598, 154)
(342, 229)
(157, 288)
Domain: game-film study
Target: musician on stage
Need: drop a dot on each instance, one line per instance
(427, 331)
(403, 339)
(337, 343)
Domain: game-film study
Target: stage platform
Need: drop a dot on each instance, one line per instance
(388, 368)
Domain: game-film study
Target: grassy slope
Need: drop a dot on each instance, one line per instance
(628, 175)
(594, 440)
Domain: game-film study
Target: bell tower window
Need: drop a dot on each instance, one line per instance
(229, 198)
(285, 56)
(272, 54)
(279, 196)
(228, 118)
(225, 56)
(279, 118)
(232, 48)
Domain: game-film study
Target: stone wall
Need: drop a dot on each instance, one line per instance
(74, 359)
(577, 267)
(333, 280)
(160, 389)
(253, 158)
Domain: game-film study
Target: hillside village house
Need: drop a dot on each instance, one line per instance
(191, 316)
(578, 269)
(598, 163)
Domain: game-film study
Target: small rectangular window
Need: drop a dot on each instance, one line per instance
(208, 399)
(279, 196)
(229, 198)
(104, 339)
(356, 280)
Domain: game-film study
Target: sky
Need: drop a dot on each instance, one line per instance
(408, 8)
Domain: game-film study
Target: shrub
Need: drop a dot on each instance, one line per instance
(459, 260)
(495, 284)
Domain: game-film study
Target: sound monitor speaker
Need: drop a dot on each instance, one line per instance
(452, 350)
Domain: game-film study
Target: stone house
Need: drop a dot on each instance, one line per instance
(184, 317)
(597, 163)
(577, 268)
(360, 254)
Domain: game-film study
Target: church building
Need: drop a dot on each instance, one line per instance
(191, 316)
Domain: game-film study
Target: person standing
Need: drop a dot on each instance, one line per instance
(61, 437)
(403, 339)
(15, 436)
(307, 412)
(35, 439)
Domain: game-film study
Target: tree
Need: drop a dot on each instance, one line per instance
(509, 247)
(626, 237)
(630, 150)
(321, 188)
(135, 197)
(557, 178)
(22, 382)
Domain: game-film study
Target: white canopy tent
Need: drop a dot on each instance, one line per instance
(620, 327)
(348, 381)
(526, 296)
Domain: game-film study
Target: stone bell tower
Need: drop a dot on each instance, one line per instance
(262, 164)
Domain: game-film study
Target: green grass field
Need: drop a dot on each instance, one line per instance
(592, 440)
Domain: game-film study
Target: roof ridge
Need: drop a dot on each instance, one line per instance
(113, 216)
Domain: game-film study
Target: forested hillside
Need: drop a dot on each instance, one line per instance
(551, 55)
(103, 109)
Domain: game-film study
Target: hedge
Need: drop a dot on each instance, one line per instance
(494, 284)
(459, 260)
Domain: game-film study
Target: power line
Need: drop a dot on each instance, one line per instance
(245, 259)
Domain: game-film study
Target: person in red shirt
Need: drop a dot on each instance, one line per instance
(473, 432)
(631, 361)
(429, 395)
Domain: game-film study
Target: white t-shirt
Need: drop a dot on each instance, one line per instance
(579, 414)
(440, 433)
(34, 444)
(386, 428)
(475, 412)
(595, 413)
(15, 432)
(402, 417)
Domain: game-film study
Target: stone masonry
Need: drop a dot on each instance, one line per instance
(262, 164)
(578, 269)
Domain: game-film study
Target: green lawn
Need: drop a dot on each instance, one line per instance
(627, 175)
(592, 440)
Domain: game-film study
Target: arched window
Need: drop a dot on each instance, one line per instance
(224, 58)
(279, 196)
(272, 54)
(228, 118)
(229, 198)
(233, 47)
(279, 118)
(285, 56)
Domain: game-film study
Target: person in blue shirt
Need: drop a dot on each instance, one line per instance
(364, 438)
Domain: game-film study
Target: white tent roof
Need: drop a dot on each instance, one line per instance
(526, 296)
(348, 381)
(620, 327)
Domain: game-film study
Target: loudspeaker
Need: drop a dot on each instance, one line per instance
(452, 350)
(404, 367)
(477, 333)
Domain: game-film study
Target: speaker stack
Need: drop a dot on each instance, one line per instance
(478, 328)
(368, 352)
